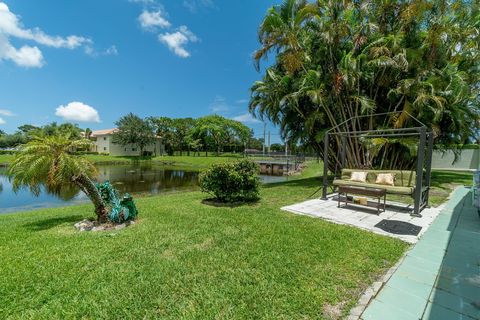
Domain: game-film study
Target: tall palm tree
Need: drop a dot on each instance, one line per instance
(51, 161)
(282, 30)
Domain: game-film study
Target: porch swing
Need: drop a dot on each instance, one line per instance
(413, 183)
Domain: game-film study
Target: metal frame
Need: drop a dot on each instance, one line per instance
(424, 154)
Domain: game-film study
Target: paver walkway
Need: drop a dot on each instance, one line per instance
(440, 277)
(364, 218)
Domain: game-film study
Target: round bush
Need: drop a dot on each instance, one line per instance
(232, 181)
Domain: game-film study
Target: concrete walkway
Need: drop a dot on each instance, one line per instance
(440, 277)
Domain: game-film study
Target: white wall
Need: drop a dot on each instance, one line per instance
(132, 150)
(104, 144)
(469, 159)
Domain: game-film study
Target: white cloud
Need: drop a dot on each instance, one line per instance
(110, 51)
(78, 111)
(154, 17)
(6, 113)
(144, 2)
(176, 41)
(149, 20)
(246, 118)
(27, 55)
(194, 5)
(219, 104)
(241, 101)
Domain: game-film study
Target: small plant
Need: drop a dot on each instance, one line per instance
(120, 210)
(232, 182)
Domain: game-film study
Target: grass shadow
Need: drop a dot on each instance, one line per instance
(305, 182)
(46, 224)
(215, 203)
(441, 178)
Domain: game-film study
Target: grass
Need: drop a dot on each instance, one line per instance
(197, 161)
(187, 260)
(443, 182)
(6, 158)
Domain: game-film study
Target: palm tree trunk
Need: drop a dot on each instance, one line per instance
(91, 191)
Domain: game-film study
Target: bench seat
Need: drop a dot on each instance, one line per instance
(390, 189)
(404, 181)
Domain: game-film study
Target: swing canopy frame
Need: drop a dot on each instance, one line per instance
(424, 134)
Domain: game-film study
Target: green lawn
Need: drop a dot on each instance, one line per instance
(197, 161)
(6, 158)
(188, 260)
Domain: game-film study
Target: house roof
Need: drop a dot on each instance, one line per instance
(104, 132)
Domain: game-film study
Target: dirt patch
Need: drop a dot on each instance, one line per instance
(168, 254)
(333, 312)
(205, 245)
(92, 225)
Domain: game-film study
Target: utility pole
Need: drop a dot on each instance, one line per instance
(264, 129)
(269, 142)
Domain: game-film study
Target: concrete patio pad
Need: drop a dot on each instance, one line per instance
(365, 218)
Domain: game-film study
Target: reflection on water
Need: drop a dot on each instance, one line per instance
(144, 179)
(148, 179)
(25, 200)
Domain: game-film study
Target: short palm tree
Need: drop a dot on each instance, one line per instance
(51, 161)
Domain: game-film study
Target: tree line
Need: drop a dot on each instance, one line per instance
(211, 133)
(26, 132)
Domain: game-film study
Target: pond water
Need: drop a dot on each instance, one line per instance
(139, 180)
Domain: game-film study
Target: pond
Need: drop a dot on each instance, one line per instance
(137, 179)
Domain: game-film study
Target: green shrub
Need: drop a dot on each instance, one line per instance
(469, 146)
(85, 153)
(8, 152)
(232, 181)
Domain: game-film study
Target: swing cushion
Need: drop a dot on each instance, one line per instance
(389, 189)
(404, 183)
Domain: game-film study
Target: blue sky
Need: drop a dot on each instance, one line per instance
(90, 62)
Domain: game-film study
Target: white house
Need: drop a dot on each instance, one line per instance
(103, 143)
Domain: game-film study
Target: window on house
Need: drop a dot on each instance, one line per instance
(105, 138)
(134, 149)
(105, 148)
(125, 149)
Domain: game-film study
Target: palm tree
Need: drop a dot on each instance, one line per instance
(88, 133)
(282, 30)
(50, 161)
